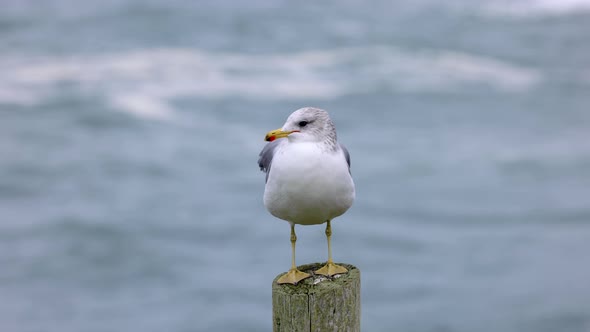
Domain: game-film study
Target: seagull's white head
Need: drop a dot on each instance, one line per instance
(307, 124)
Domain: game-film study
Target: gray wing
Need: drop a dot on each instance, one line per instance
(265, 156)
(346, 155)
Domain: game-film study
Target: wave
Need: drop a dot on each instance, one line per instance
(145, 82)
(537, 8)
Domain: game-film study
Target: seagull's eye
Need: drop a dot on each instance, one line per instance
(303, 123)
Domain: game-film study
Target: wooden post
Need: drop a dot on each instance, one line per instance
(319, 303)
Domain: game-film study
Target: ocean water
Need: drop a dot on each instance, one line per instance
(130, 197)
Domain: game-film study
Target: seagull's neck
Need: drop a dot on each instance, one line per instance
(330, 142)
(327, 145)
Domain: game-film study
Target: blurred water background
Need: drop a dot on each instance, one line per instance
(130, 198)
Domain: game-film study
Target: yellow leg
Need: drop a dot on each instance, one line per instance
(330, 268)
(293, 276)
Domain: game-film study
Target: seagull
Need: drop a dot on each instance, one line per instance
(308, 179)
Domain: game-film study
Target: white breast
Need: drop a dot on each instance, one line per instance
(307, 185)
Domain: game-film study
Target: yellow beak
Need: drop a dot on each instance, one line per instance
(278, 133)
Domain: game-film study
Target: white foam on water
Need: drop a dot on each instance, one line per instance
(440, 71)
(537, 8)
(145, 82)
(143, 106)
